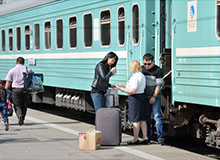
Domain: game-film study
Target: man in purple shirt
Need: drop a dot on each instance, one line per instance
(15, 79)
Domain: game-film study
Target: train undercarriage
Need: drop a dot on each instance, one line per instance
(198, 121)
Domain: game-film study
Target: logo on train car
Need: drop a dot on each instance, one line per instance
(192, 10)
(192, 16)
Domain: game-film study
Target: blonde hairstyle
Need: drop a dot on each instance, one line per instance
(135, 66)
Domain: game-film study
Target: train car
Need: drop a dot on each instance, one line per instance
(65, 39)
(195, 69)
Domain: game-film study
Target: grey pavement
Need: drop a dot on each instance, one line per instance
(50, 137)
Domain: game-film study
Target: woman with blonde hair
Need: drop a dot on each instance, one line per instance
(136, 102)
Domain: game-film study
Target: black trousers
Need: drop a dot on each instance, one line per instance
(21, 101)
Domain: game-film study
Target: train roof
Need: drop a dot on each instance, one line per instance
(10, 6)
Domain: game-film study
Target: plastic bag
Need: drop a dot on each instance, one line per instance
(10, 110)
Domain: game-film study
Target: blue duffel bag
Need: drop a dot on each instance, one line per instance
(33, 83)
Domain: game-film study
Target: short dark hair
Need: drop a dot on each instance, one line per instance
(148, 57)
(20, 60)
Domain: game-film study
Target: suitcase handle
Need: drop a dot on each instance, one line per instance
(109, 94)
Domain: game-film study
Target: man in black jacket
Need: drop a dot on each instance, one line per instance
(154, 81)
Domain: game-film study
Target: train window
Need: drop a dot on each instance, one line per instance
(27, 37)
(3, 40)
(88, 30)
(105, 22)
(135, 24)
(121, 26)
(59, 30)
(218, 19)
(47, 30)
(10, 39)
(73, 32)
(18, 38)
(37, 36)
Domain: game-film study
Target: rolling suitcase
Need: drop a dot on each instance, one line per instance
(108, 121)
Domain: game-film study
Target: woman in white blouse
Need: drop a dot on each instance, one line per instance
(136, 102)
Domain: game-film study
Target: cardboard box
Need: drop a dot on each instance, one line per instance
(90, 140)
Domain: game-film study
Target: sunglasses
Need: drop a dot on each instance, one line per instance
(147, 64)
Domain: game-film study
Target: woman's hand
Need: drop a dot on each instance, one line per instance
(122, 89)
(121, 85)
(113, 70)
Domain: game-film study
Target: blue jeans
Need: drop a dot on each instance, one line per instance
(4, 110)
(155, 108)
(98, 100)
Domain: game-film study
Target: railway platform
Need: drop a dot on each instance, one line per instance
(46, 136)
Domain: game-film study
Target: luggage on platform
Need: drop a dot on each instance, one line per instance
(90, 140)
(108, 121)
(111, 98)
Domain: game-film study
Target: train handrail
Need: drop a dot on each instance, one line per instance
(141, 44)
(172, 54)
(128, 36)
(167, 74)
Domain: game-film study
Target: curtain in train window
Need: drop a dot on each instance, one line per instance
(218, 19)
(10, 39)
(88, 30)
(27, 37)
(121, 26)
(105, 22)
(3, 40)
(73, 32)
(18, 38)
(59, 28)
(37, 36)
(135, 24)
(47, 30)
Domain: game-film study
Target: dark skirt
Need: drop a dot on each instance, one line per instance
(137, 107)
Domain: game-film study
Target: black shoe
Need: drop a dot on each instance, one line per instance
(6, 126)
(20, 121)
(161, 142)
(133, 143)
(146, 141)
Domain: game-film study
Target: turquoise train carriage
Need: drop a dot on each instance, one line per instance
(196, 68)
(65, 39)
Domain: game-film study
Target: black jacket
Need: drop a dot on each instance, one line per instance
(101, 78)
(154, 78)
